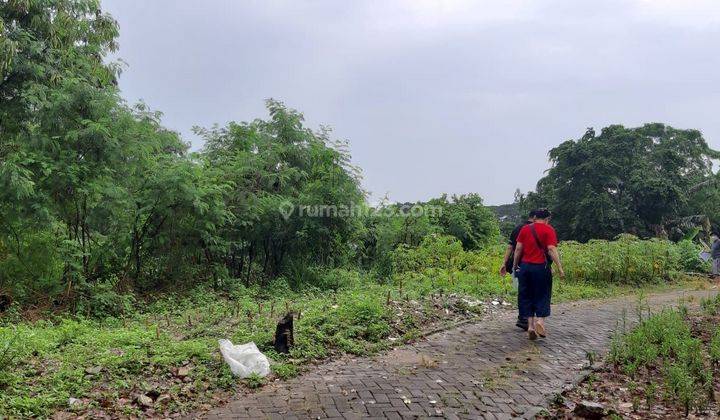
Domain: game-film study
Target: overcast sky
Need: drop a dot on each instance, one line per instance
(433, 96)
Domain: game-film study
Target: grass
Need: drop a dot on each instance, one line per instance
(169, 349)
(666, 343)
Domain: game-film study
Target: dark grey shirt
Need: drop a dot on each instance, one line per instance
(715, 249)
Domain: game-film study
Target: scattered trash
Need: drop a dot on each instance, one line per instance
(471, 303)
(495, 302)
(244, 359)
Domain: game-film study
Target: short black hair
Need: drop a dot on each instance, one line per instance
(532, 214)
(542, 213)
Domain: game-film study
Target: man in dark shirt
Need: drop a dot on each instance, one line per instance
(715, 255)
(506, 268)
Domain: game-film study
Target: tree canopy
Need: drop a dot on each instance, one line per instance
(625, 180)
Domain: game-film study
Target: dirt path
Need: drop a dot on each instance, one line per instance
(485, 370)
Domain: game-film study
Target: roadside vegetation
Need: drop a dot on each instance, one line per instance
(664, 367)
(159, 356)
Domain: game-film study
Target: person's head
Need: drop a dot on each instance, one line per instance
(542, 215)
(531, 216)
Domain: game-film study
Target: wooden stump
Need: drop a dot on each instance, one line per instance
(284, 334)
(5, 302)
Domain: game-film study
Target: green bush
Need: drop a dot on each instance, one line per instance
(102, 299)
(689, 256)
(626, 260)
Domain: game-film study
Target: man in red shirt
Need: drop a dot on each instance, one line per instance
(535, 251)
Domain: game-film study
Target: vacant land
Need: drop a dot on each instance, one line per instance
(665, 367)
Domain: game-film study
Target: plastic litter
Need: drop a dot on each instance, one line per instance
(244, 359)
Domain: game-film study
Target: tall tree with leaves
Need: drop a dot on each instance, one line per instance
(622, 180)
(279, 164)
(100, 190)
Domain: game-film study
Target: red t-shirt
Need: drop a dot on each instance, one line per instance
(531, 253)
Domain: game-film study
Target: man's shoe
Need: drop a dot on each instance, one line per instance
(522, 325)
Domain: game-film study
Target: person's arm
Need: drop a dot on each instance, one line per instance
(517, 256)
(555, 256)
(508, 251)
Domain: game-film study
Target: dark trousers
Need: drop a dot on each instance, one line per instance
(534, 290)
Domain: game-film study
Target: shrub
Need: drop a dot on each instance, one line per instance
(626, 260)
(689, 256)
(102, 299)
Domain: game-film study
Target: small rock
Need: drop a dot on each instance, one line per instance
(163, 399)
(625, 406)
(183, 372)
(589, 410)
(74, 402)
(93, 370)
(144, 400)
(432, 402)
(495, 302)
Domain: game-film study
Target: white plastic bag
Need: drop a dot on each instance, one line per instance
(514, 279)
(244, 359)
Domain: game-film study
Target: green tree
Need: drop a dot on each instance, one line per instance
(466, 218)
(279, 165)
(630, 180)
(100, 191)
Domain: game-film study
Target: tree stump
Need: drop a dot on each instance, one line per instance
(284, 334)
(5, 302)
